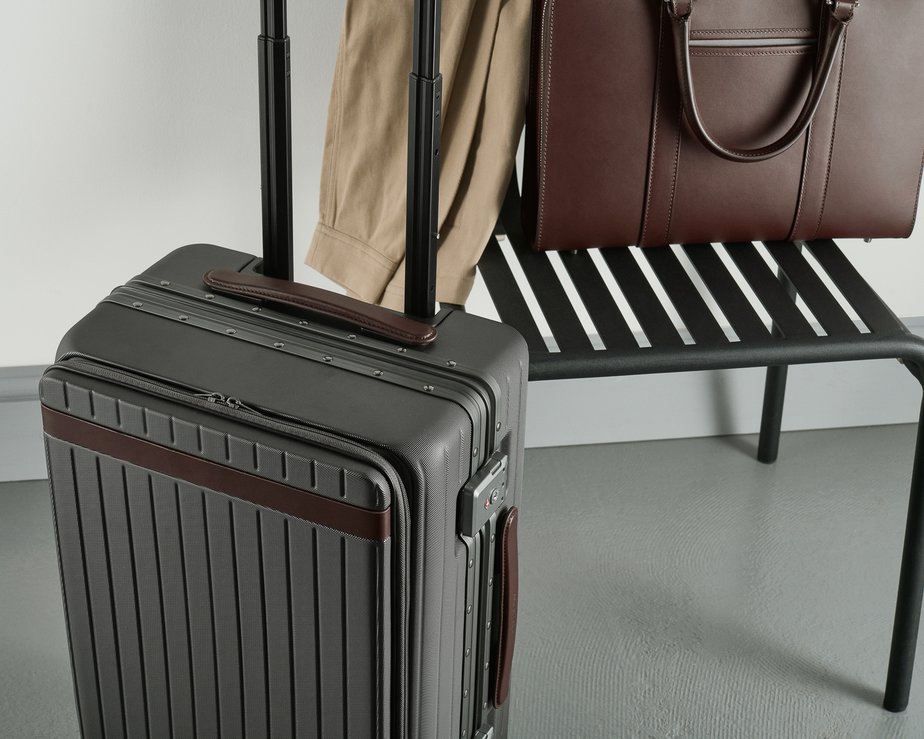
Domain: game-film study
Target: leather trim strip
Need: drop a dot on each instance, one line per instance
(348, 519)
(665, 145)
(509, 603)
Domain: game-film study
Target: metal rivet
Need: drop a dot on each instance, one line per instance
(279, 345)
(184, 317)
(351, 336)
(136, 304)
(428, 388)
(164, 283)
(468, 652)
(328, 359)
(475, 452)
(485, 704)
(230, 331)
(450, 363)
(256, 309)
(401, 350)
(378, 373)
(498, 426)
(468, 610)
(465, 693)
(303, 323)
(492, 538)
(471, 563)
(490, 581)
(489, 626)
(464, 733)
(486, 666)
(209, 296)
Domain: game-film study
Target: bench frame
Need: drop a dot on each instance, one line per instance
(705, 345)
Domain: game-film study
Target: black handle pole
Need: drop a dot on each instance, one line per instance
(423, 168)
(275, 140)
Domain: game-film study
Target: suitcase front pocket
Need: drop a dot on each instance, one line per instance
(203, 598)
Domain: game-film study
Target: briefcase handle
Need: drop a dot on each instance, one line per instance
(371, 319)
(830, 41)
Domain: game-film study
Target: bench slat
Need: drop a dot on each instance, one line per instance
(508, 300)
(553, 301)
(727, 293)
(811, 289)
(651, 315)
(868, 305)
(770, 292)
(603, 310)
(686, 298)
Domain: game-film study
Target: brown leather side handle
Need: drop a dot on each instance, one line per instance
(509, 603)
(831, 39)
(366, 317)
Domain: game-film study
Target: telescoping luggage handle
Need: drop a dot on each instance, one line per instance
(423, 152)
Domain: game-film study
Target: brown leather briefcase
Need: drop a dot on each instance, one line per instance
(682, 121)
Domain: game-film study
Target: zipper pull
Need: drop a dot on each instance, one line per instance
(212, 397)
(237, 404)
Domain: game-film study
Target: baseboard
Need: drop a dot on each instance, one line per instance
(22, 454)
(605, 410)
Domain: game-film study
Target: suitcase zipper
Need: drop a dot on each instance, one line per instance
(324, 339)
(81, 364)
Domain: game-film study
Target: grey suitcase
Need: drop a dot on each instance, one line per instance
(281, 513)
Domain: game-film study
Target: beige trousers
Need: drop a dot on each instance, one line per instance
(359, 240)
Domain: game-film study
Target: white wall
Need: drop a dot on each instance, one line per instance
(130, 128)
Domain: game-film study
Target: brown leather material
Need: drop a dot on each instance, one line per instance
(509, 604)
(608, 165)
(348, 519)
(664, 146)
(829, 46)
(574, 80)
(817, 158)
(366, 317)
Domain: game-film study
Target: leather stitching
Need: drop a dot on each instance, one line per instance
(302, 301)
(837, 106)
(803, 180)
(670, 209)
(724, 31)
(799, 51)
(654, 130)
(688, 92)
(544, 134)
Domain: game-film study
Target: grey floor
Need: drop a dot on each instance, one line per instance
(668, 589)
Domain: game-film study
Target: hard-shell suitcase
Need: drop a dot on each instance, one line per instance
(281, 513)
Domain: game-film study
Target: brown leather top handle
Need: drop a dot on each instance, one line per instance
(372, 319)
(831, 39)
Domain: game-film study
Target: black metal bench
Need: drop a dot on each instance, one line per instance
(706, 345)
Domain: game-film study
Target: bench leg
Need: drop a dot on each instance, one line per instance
(768, 448)
(910, 590)
(771, 420)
